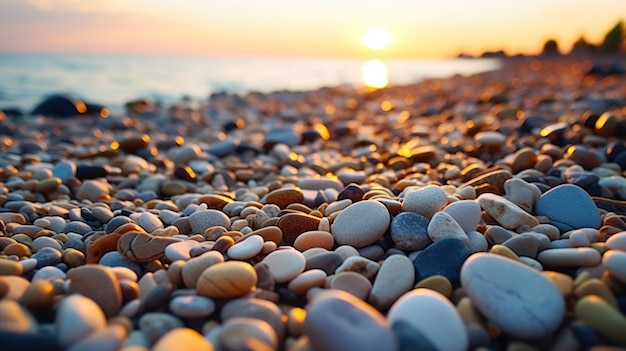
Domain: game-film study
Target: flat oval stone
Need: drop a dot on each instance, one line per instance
(227, 280)
(617, 241)
(326, 261)
(353, 283)
(505, 212)
(247, 248)
(98, 283)
(361, 224)
(409, 231)
(466, 213)
(192, 269)
(256, 308)
(615, 263)
(201, 220)
(285, 265)
(313, 278)
(521, 193)
(570, 257)
(15, 318)
(431, 314)
(148, 221)
(192, 306)
(602, 318)
(501, 288)
(179, 250)
(568, 207)
(285, 196)
(444, 257)
(314, 238)
(395, 277)
(426, 200)
(338, 321)
(294, 224)
(78, 317)
(241, 332)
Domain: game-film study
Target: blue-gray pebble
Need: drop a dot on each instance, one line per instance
(568, 207)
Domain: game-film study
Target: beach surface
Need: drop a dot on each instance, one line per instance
(483, 212)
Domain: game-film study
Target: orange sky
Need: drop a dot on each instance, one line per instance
(420, 28)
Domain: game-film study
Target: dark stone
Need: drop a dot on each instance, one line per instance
(28, 342)
(327, 261)
(532, 124)
(96, 110)
(87, 215)
(409, 231)
(232, 125)
(60, 106)
(281, 135)
(7, 128)
(352, 191)
(589, 120)
(555, 133)
(13, 112)
(613, 150)
(47, 256)
(584, 180)
(185, 173)
(244, 148)
(542, 186)
(586, 336)
(320, 198)
(158, 298)
(411, 339)
(223, 148)
(443, 257)
(309, 136)
(116, 259)
(115, 223)
(554, 172)
(74, 243)
(90, 172)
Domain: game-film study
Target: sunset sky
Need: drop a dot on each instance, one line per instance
(418, 28)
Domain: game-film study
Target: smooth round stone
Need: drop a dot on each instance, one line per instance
(49, 273)
(361, 224)
(115, 259)
(353, 283)
(148, 221)
(501, 288)
(523, 245)
(93, 191)
(180, 250)
(314, 238)
(409, 231)
(410, 338)
(78, 227)
(466, 213)
(505, 212)
(444, 257)
(98, 283)
(338, 321)
(282, 135)
(284, 265)
(285, 196)
(294, 224)
(395, 277)
(110, 339)
(490, 138)
(569, 257)
(192, 306)
(314, 278)
(247, 248)
(617, 241)
(602, 318)
(227, 280)
(521, 193)
(64, 170)
(615, 263)
(326, 261)
(192, 269)
(17, 286)
(183, 338)
(361, 265)
(442, 226)
(8, 267)
(426, 200)
(45, 241)
(568, 207)
(477, 241)
(240, 333)
(47, 256)
(201, 220)
(256, 308)
(433, 316)
(437, 283)
(77, 318)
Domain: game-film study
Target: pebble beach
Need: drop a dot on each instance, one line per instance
(482, 212)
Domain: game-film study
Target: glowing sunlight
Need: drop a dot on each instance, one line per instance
(376, 39)
(375, 74)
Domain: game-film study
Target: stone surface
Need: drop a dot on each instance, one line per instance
(505, 212)
(247, 248)
(201, 220)
(337, 321)
(615, 263)
(352, 228)
(602, 318)
(568, 207)
(77, 318)
(444, 257)
(409, 231)
(425, 201)
(442, 226)
(433, 316)
(501, 287)
(466, 213)
(98, 283)
(227, 280)
(183, 338)
(285, 264)
(395, 277)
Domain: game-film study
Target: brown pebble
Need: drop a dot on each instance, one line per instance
(214, 201)
(294, 224)
(99, 283)
(270, 233)
(193, 268)
(353, 283)
(140, 247)
(17, 249)
(40, 294)
(285, 196)
(73, 257)
(106, 243)
(223, 244)
(4, 287)
(493, 177)
(314, 238)
(8, 267)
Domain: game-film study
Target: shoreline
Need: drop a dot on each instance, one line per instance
(469, 212)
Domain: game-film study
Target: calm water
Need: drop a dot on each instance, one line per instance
(112, 80)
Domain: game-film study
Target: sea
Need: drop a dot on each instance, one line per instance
(113, 80)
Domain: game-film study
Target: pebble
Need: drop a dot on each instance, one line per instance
(350, 227)
(395, 277)
(602, 318)
(193, 269)
(615, 263)
(98, 283)
(314, 238)
(433, 316)
(182, 338)
(353, 283)
(442, 226)
(568, 207)
(617, 241)
(201, 220)
(241, 333)
(256, 308)
(337, 320)
(358, 264)
(179, 250)
(111, 338)
(443, 257)
(192, 306)
(521, 193)
(570, 257)
(247, 248)
(312, 278)
(292, 225)
(505, 212)
(77, 318)
(501, 287)
(426, 200)
(8, 267)
(409, 231)
(14, 318)
(466, 213)
(227, 280)
(285, 264)
(148, 221)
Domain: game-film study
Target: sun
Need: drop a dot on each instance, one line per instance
(376, 39)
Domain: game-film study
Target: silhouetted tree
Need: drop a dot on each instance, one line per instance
(613, 40)
(550, 48)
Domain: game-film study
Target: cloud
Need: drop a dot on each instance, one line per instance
(99, 6)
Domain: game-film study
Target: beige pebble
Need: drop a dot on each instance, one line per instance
(77, 317)
(353, 283)
(307, 280)
(8, 267)
(569, 257)
(358, 264)
(39, 294)
(247, 248)
(394, 278)
(615, 263)
(596, 287)
(14, 318)
(239, 333)
(192, 269)
(227, 280)
(438, 283)
(314, 238)
(17, 286)
(285, 264)
(505, 212)
(602, 317)
(564, 282)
